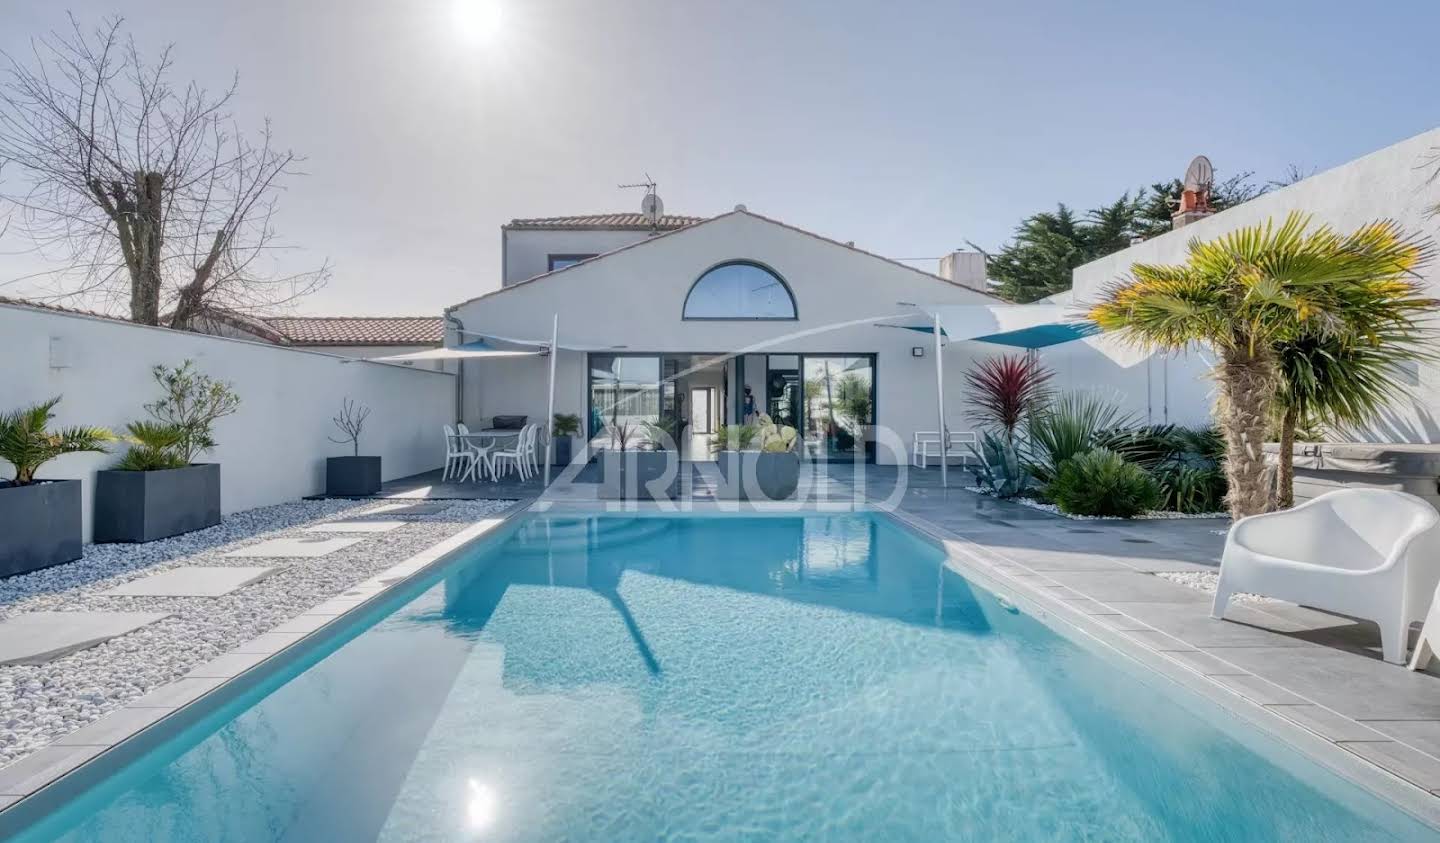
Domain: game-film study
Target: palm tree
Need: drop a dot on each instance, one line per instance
(1248, 292)
(1338, 383)
(26, 444)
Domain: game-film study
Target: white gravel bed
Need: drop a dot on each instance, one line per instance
(1205, 581)
(39, 703)
(1152, 515)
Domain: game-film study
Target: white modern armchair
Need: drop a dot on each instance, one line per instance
(1367, 553)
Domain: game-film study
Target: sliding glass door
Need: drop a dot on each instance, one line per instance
(838, 405)
(624, 396)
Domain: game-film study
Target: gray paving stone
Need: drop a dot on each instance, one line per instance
(8, 799)
(1128, 586)
(1424, 735)
(177, 693)
(1258, 690)
(1327, 724)
(1354, 685)
(1204, 662)
(293, 548)
(304, 623)
(1156, 640)
(40, 637)
(409, 509)
(1088, 606)
(190, 581)
(356, 526)
(1063, 560)
(43, 766)
(269, 642)
(114, 727)
(1406, 762)
(1122, 623)
(227, 665)
(1242, 627)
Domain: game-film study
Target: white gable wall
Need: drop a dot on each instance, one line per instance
(634, 298)
(526, 251)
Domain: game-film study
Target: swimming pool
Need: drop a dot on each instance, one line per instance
(713, 678)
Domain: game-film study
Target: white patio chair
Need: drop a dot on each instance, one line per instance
(455, 452)
(480, 462)
(1367, 553)
(926, 445)
(517, 457)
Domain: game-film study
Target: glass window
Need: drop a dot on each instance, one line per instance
(562, 261)
(739, 290)
(624, 394)
(839, 404)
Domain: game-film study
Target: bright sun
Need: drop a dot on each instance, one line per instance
(477, 21)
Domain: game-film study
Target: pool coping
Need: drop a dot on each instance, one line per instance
(1391, 777)
(55, 762)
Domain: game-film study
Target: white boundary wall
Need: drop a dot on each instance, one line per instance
(1395, 183)
(272, 450)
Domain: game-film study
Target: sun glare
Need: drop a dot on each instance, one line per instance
(477, 21)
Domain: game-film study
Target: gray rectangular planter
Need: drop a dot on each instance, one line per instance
(756, 475)
(352, 477)
(561, 453)
(142, 506)
(638, 475)
(39, 525)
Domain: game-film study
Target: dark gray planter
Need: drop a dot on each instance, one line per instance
(352, 477)
(142, 506)
(562, 452)
(756, 475)
(39, 525)
(636, 475)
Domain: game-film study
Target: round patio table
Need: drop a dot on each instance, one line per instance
(493, 435)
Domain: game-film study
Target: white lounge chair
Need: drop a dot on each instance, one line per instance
(1368, 553)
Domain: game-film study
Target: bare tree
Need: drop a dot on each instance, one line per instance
(148, 191)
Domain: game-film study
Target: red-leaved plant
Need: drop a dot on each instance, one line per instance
(1004, 389)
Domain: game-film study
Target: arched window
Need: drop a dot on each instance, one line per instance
(739, 290)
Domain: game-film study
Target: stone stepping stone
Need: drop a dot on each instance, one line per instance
(355, 527)
(190, 582)
(40, 637)
(409, 509)
(304, 547)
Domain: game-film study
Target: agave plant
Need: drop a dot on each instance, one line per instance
(1254, 289)
(1004, 390)
(26, 444)
(1000, 469)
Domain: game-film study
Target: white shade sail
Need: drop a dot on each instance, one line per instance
(478, 349)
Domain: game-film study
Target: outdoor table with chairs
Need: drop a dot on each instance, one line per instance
(493, 452)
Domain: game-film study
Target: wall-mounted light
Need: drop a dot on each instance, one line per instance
(917, 351)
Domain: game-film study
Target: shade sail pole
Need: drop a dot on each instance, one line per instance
(550, 413)
(940, 407)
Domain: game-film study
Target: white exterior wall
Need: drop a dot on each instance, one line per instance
(526, 251)
(1393, 183)
(634, 299)
(272, 450)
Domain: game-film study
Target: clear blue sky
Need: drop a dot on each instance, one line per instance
(906, 127)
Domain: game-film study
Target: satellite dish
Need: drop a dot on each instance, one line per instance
(652, 208)
(1200, 175)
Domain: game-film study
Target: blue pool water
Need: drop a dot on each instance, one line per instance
(714, 679)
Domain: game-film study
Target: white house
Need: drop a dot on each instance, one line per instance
(684, 318)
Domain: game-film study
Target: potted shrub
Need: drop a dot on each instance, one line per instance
(565, 426)
(629, 472)
(157, 489)
(352, 476)
(40, 521)
(758, 462)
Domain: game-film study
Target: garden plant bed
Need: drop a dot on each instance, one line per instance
(1205, 581)
(1153, 515)
(40, 703)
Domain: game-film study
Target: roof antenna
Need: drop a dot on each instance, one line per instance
(651, 208)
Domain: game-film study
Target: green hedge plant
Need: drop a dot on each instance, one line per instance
(1101, 482)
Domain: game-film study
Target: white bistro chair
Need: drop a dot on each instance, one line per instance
(519, 456)
(480, 462)
(1367, 553)
(926, 446)
(458, 458)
